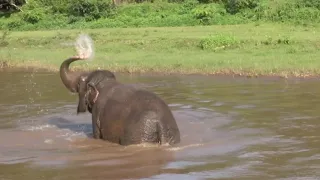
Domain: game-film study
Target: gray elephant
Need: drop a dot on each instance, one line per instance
(72, 80)
(121, 113)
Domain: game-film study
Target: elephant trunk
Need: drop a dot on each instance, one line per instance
(70, 79)
(82, 106)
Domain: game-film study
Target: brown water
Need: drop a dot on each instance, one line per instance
(230, 129)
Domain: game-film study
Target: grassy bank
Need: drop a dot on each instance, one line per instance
(250, 49)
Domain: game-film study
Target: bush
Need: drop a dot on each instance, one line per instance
(219, 41)
(89, 9)
(55, 14)
(287, 11)
(14, 24)
(4, 38)
(56, 6)
(309, 3)
(235, 6)
(32, 17)
(205, 13)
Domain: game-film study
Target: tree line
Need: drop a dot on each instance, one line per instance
(41, 14)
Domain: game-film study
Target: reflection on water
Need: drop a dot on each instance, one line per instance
(230, 129)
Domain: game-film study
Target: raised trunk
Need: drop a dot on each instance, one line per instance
(70, 79)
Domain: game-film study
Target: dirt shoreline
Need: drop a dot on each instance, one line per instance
(4, 67)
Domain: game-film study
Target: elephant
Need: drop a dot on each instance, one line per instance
(121, 113)
(71, 80)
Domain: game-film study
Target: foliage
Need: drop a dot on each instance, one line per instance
(309, 3)
(89, 9)
(218, 42)
(235, 6)
(70, 14)
(11, 5)
(4, 38)
(207, 13)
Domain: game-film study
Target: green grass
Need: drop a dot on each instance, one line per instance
(251, 49)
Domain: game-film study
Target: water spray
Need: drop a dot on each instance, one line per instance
(84, 47)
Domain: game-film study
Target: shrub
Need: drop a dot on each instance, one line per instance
(53, 14)
(309, 3)
(14, 24)
(284, 40)
(219, 41)
(32, 16)
(4, 38)
(235, 6)
(56, 6)
(90, 9)
(205, 13)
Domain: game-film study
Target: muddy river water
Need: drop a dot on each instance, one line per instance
(231, 128)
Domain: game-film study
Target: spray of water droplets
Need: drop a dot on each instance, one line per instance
(84, 46)
(33, 95)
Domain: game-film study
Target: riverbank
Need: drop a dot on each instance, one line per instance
(246, 50)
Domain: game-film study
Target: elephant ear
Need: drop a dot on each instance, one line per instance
(92, 92)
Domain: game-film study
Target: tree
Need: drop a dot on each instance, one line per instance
(11, 5)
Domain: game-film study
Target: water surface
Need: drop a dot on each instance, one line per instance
(230, 129)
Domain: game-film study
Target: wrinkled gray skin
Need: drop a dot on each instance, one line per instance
(98, 76)
(121, 113)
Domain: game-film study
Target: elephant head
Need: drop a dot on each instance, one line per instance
(78, 81)
(87, 88)
(71, 79)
